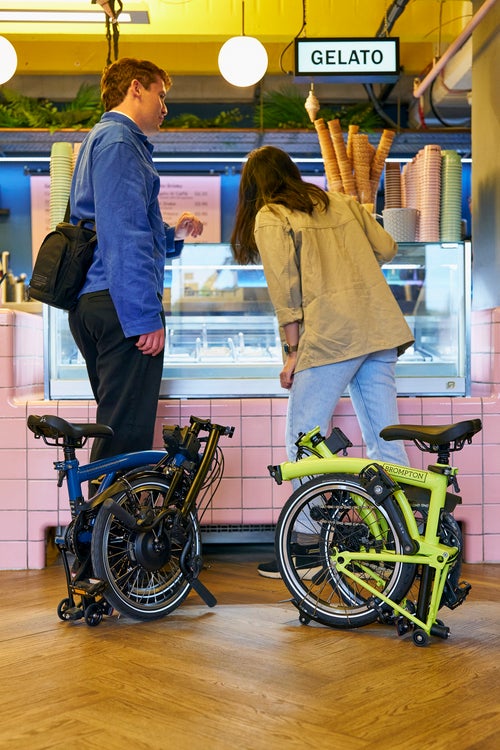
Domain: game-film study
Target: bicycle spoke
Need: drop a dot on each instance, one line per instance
(143, 569)
(323, 520)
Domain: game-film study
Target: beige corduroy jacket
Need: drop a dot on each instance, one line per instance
(323, 271)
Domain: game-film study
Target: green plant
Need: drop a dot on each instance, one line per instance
(19, 111)
(284, 108)
(222, 120)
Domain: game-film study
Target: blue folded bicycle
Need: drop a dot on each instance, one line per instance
(135, 545)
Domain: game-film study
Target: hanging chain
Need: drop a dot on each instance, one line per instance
(112, 30)
(386, 21)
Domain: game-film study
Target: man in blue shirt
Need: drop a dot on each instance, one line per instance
(119, 324)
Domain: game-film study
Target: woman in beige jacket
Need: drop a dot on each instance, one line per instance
(341, 325)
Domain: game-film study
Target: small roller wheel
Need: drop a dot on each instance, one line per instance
(93, 615)
(304, 619)
(402, 626)
(62, 609)
(420, 637)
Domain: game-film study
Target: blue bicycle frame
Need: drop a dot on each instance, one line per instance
(108, 468)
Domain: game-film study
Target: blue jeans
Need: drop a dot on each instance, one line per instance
(371, 383)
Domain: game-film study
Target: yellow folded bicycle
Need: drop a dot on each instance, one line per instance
(361, 541)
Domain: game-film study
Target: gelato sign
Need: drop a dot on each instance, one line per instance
(365, 58)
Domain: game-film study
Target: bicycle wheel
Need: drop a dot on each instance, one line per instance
(142, 569)
(322, 518)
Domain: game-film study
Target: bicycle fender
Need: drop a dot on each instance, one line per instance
(121, 485)
(381, 487)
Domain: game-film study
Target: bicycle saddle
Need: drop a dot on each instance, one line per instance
(440, 434)
(50, 426)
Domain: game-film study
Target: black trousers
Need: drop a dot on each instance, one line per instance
(125, 382)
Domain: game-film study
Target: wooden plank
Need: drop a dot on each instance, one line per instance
(245, 674)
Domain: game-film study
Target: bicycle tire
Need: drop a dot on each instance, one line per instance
(142, 570)
(327, 513)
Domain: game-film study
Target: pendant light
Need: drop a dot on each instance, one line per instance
(243, 59)
(8, 60)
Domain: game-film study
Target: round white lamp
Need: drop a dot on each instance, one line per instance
(243, 60)
(8, 60)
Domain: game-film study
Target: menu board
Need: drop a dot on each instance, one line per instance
(319, 180)
(40, 211)
(197, 194)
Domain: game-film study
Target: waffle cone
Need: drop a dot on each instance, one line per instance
(329, 158)
(381, 154)
(351, 131)
(361, 160)
(341, 153)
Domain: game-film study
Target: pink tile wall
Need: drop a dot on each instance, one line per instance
(30, 502)
(485, 352)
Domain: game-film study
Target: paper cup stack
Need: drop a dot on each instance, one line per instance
(429, 193)
(61, 171)
(451, 197)
(409, 188)
(392, 185)
(401, 223)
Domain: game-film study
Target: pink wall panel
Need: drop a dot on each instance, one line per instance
(30, 502)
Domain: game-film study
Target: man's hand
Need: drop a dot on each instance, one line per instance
(188, 225)
(151, 343)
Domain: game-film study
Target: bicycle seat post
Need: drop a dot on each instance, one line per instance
(68, 470)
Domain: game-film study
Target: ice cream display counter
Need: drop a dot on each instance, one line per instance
(223, 339)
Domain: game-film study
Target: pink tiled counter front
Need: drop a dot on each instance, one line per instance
(30, 502)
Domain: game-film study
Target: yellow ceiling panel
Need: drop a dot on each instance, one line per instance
(185, 35)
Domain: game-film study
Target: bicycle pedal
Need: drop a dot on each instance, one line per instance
(73, 613)
(88, 588)
(457, 595)
(385, 614)
(403, 625)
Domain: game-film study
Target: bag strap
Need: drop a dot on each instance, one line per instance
(81, 222)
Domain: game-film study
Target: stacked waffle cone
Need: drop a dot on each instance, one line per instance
(362, 158)
(355, 168)
(345, 165)
(381, 154)
(332, 171)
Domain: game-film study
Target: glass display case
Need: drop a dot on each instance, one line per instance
(223, 339)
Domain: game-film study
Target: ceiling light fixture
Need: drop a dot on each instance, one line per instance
(243, 59)
(8, 60)
(69, 16)
(110, 12)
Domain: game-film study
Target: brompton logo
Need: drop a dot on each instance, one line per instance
(405, 472)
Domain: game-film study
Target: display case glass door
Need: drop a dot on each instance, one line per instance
(222, 337)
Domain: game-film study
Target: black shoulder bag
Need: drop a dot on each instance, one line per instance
(62, 263)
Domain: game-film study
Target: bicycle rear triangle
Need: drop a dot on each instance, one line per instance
(136, 543)
(363, 541)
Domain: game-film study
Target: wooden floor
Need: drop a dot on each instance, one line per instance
(244, 675)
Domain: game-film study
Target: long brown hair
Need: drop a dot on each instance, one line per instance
(269, 176)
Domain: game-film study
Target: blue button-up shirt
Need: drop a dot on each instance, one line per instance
(116, 185)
